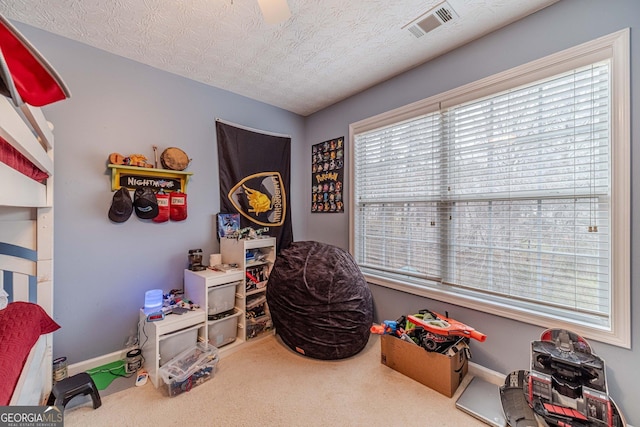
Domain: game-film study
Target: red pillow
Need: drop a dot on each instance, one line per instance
(21, 324)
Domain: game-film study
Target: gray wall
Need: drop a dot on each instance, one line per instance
(102, 269)
(565, 24)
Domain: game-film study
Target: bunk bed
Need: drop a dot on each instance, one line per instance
(26, 225)
(27, 82)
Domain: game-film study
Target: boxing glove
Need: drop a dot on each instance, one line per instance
(163, 207)
(177, 206)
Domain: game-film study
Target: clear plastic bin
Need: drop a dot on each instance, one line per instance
(174, 343)
(222, 298)
(190, 368)
(258, 325)
(256, 306)
(224, 330)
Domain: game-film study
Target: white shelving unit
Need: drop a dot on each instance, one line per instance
(255, 258)
(218, 294)
(164, 339)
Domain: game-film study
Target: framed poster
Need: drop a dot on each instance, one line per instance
(327, 176)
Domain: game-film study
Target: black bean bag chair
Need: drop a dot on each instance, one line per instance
(320, 303)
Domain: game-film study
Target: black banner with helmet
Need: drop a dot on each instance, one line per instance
(254, 170)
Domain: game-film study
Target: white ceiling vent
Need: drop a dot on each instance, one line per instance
(431, 20)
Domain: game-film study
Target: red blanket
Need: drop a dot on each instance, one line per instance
(14, 159)
(21, 324)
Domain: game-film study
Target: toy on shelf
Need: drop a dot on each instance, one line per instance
(173, 158)
(228, 224)
(565, 386)
(175, 302)
(131, 160)
(247, 233)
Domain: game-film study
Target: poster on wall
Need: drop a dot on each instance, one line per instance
(327, 176)
(254, 169)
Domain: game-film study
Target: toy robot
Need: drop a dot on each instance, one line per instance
(565, 386)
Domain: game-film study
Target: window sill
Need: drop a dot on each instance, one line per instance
(525, 315)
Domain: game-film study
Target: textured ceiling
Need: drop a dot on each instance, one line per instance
(327, 51)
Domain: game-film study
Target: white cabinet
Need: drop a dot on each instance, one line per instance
(164, 339)
(221, 295)
(255, 258)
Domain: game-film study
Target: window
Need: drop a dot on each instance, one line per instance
(509, 195)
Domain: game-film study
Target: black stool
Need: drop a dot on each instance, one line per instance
(79, 384)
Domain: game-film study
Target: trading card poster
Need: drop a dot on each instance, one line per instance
(327, 176)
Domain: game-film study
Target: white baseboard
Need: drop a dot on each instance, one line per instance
(89, 364)
(486, 374)
(476, 370)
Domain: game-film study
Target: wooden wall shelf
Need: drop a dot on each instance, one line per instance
(134, 177)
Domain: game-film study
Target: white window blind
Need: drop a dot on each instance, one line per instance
(398, 197)
(506, 198)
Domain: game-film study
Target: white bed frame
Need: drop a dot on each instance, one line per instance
(26, 223)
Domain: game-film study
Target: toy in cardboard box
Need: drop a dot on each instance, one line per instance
(430, 330)
(565, 386)
(435, 330)
(444, 363)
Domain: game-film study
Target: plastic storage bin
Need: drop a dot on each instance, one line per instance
(256, 306)
(190, 368)
(258, 325)
(224, 330)
(221, 298)
(174, 343)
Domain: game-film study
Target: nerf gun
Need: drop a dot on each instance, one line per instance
(388, 327)
(444, 326)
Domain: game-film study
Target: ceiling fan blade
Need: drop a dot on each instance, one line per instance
(274, 11)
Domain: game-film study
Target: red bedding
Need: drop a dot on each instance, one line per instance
(14, 159)
(21, 324)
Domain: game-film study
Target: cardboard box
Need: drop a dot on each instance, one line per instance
(441, 372)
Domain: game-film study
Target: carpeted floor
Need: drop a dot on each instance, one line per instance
(266, 384)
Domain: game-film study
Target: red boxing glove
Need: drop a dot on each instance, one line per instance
(178, 206)
(163, 208)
